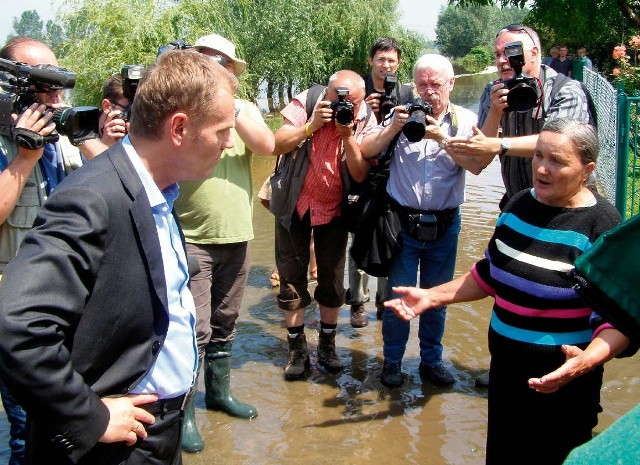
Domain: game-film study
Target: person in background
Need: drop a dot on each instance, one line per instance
(553, 54)
(426, 188)
(98, 345)
(538, 414)
(384, 57)
(582, 53)
(562, 64)
(216, 218)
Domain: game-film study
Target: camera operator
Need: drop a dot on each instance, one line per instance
(112, 127)
(513, 135)
(426, 186)
(27, 178)
(384, 59)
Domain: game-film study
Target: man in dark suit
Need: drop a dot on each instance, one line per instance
(97, 335)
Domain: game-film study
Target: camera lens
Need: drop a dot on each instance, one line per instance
(415, 127)
(344, 115)
(522, 97)
(78, 123)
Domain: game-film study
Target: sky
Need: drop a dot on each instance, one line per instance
(419, 15)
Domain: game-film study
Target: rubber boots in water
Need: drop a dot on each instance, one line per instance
(217, 364)
(191, 439)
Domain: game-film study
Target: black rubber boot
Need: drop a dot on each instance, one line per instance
(191, 438)
(298, 362)
(217, 365)
(327, 356)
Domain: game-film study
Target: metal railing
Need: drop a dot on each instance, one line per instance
(618, 167)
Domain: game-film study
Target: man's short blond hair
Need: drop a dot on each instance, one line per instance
(180, 80)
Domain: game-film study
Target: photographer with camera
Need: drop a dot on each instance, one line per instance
(334, 125)
(383, 91)
(512, 135)
(426, 187)
(112, 126)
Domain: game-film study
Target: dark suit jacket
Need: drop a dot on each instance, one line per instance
(83, 310)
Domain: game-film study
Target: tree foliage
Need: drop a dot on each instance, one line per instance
(596, 24)
(460, 29)
(288, 44)
(29, 24)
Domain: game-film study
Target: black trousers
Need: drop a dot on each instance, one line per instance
(162, 446)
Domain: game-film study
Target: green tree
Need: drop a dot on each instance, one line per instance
(29, 24)
(460, 29)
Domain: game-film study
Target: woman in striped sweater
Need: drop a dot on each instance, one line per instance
(539, 323)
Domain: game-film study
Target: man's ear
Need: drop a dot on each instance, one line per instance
(178, 128)
(106, 105)
(534, 54)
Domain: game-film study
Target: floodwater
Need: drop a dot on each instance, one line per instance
(350, 418)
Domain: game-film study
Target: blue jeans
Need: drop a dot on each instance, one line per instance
(436, 262)
(17, 420)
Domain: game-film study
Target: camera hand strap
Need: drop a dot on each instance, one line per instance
(31, 140)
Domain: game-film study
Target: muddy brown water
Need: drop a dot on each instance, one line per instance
(350, 418)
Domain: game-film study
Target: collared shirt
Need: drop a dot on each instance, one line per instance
(425, 177)
(322, 190)
(173, 372)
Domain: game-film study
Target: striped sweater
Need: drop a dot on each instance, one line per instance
(527, 269)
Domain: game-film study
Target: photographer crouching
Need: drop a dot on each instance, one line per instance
(426, 186)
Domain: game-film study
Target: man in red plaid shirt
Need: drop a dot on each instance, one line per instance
(318, 211)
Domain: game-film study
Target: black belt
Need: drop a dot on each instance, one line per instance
(162, 406)
(445, 216)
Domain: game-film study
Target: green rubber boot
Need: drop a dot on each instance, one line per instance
(191, 439)
(217, 364)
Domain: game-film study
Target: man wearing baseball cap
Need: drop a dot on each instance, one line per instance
(216, 217)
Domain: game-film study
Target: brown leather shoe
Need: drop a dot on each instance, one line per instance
(359, 316)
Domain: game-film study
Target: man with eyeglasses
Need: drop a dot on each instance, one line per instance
(426, 187)
(512, 135)
(111, 126)
(216, 218)
(384, 57)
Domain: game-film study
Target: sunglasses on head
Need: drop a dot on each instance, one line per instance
(515, 27)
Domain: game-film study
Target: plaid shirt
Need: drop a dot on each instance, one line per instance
(322, 190)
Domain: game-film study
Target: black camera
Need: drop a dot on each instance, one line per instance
(179, 44)
(131, 75)
(342, 108)
(388, 100)
(522, 94)
(19, 84)
(415, 126)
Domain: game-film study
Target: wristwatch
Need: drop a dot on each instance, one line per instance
(443, 142)
(504, 146)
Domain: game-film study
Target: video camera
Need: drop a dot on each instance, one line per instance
(342, 108)
(415, 126)
(131, 75)
(522, 94)
(388, 100)
(19, 84)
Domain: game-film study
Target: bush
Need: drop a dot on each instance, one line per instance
(476, 60)
(626, 72)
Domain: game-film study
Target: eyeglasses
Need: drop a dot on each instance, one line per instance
(116, 104)
(515, 27)
(434, 86)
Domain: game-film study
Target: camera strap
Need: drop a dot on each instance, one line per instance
(31, 140)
